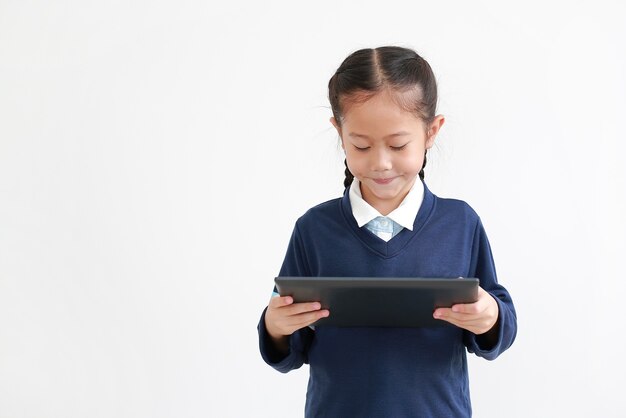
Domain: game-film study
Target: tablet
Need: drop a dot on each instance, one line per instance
(380, 301)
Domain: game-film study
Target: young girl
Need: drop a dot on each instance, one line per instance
(388, 223)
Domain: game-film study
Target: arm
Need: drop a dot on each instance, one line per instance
(490, 324)
(284, 335)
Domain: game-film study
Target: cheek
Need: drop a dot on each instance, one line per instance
(412, 162)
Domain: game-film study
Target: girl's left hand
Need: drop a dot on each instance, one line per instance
(478, 317)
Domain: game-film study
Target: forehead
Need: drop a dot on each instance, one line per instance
(380, 113)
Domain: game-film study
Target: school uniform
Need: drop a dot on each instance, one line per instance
(390, 372)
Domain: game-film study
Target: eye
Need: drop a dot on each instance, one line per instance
(401, 147)
(361, 148)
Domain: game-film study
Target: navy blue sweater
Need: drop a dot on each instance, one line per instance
(390, 372)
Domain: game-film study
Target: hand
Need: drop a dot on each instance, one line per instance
(478, 317)
(283, 318)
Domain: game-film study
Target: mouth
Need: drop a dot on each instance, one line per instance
(384, 181)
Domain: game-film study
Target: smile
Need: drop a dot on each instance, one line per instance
(384, 181)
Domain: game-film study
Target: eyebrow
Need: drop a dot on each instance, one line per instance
(401, 133)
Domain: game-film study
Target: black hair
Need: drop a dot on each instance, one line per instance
(368, 71)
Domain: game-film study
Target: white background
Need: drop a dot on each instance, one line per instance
(154, 156)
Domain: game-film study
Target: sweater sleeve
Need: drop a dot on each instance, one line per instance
(294, 265)
(483, 267)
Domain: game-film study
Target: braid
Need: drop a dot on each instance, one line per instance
(421, 174)
(349, 177)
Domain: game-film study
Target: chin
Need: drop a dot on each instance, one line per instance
(386, 195)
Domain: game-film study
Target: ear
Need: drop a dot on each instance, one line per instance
(338, 128)
(433, 130)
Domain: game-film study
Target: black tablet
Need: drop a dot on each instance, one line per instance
(380, 301)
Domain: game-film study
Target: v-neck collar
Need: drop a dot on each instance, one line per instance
(396, 244)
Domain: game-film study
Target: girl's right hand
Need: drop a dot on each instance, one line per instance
(283, 318)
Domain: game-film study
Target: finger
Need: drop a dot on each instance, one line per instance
(447, 314)
(470, 308)
(299, 308)
(291, 324)
(280, 301)
(473, 323)
(305, 319)
(478, 307)
(443, 314)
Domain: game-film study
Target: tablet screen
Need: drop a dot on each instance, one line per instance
(380, 301)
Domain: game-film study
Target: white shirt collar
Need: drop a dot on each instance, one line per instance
(404, 214)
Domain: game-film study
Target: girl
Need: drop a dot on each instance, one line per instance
(388, 223)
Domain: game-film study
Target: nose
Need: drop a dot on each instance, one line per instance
(381, 160)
